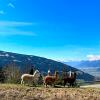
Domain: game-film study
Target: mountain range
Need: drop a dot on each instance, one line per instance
(40, 63)
(91, 67)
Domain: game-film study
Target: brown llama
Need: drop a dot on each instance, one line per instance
(50, 80)
(71, 79)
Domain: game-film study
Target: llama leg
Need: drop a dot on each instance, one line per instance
(54, 84)
(69, 84)
(21, 81)
(35, 83)
(46, 85)
(64, 83)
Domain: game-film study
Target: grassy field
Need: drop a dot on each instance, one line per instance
(19, 92)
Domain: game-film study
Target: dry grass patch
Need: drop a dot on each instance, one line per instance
(19, 92)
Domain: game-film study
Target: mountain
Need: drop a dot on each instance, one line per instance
(91, 64)
(91, 67)
(40, 63)
(72, 63)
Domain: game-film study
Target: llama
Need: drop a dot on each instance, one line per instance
(30, 78)
(50, 80)
(71, 78)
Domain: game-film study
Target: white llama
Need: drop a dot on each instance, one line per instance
(30, 78)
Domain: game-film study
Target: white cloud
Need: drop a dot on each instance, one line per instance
(15, 23)
(8, 28)
(1, 12)
(93, 57)
(11, 5)
(9, 32)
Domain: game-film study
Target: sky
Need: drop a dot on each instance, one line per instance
(64, 30)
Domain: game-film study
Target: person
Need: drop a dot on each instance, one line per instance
(32, 70)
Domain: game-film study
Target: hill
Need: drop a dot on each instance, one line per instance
(40, 63)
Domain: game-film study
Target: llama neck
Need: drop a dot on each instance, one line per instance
(34, 74)
(56, 76)
(69, 73)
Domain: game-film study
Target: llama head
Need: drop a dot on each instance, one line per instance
(49, 71)
(37, 73)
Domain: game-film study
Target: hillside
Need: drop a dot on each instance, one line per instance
(18, 92)
(40, 63)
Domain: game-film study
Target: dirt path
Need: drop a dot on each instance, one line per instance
(94, 86)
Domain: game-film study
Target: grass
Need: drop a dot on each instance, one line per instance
(21, 92)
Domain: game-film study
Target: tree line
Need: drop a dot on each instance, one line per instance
(11, 73)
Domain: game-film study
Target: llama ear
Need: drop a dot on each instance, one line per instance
(37, 71)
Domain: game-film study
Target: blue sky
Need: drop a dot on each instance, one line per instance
(55, 29)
